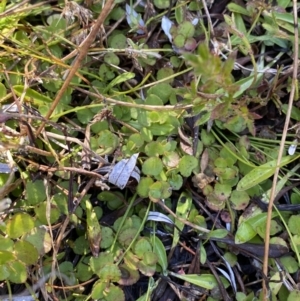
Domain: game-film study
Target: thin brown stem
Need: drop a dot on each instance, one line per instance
(83, 50)
(281, 149)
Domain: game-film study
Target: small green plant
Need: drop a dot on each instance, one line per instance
(155, 144)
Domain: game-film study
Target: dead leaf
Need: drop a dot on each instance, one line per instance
(204, 160)
(201, 180)
(123, 170)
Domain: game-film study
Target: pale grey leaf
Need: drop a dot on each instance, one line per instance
(159, 217)
(5, 168)
(231, 276)
(166, 25)
(134, 19)
(122, 171)
(5, 204)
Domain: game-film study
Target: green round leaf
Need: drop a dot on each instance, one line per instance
(235, 124)
(200, 221)
(222, 190)
(179, 40)
(175, 61)
(296, 243)
(164, 73)
(114, 293)
(109, 196)
(98, 290)
(141, 246)
(22, 37)
(85, 116)
(274, 229)
(98, 263)
(153, 100)
(35, 192)
(135, 141)
(106, 73)
(2, 91)
(17, 272)
(126, 236)
(115, 204)
(175, 181)
(161, 129)
(146, 268)
(66, 267)
(215, 202)
(56, 22)
(294, 224)
(294, 296)
(220, 162)
(131, 222)
(83, 271)
(289, 263)
(19, 224)
(6, 257)
(6, 244)
(143, 187)
(152, 166)
(41, 212)
(26, 252)
(107, 237)
(150, 258)
(117, 41)
(98, 211)
(186, 29)
(4, 273)
(227, 173)
(81, 246)
(40, 239)
(239, 199)
(154, 117)
(111, 58)
(154, 148)
(187, 164)
(117, 13)
(160, 190)
(162, 90)
(161, 4)
(99, 126)
(110, 272)
(107, 143)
